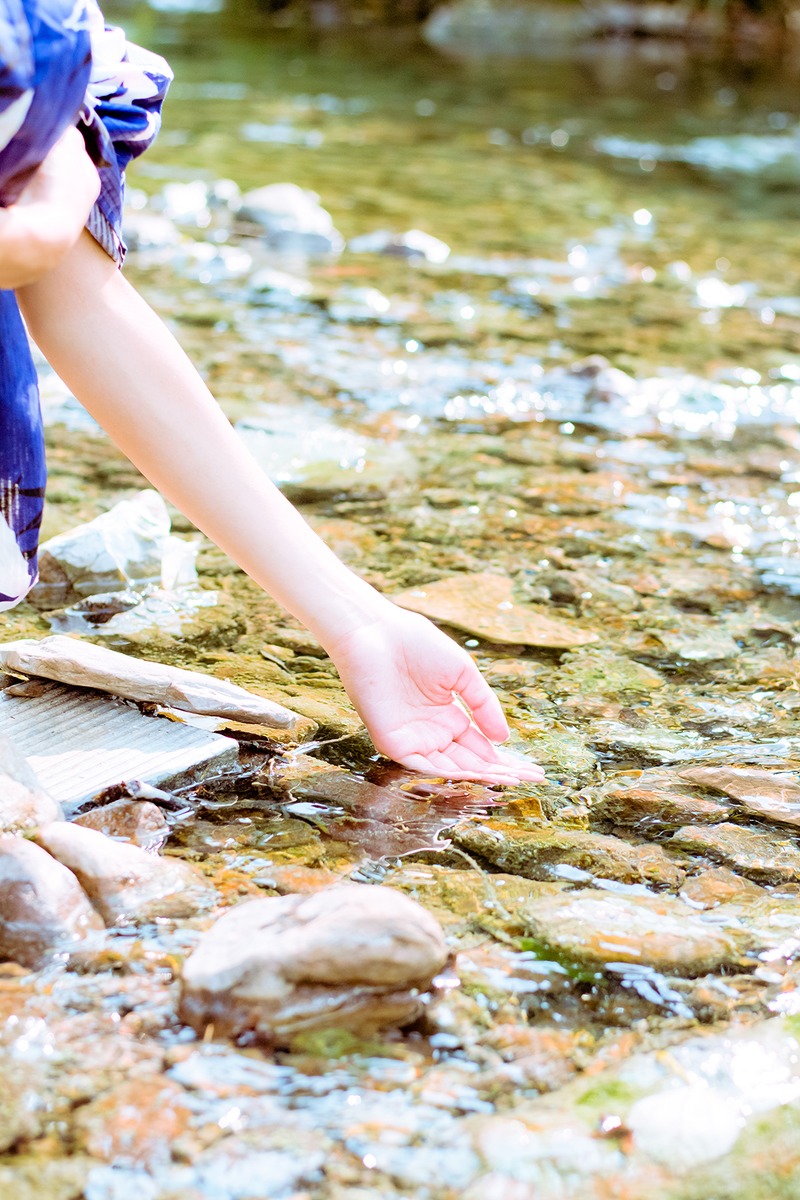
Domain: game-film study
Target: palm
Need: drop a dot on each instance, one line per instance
(403, 675)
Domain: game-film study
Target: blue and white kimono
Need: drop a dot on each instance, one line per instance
(60, 65)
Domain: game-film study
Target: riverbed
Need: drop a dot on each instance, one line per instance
(580, 380)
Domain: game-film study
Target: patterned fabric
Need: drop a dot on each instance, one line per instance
(122, 116)
(59, 65)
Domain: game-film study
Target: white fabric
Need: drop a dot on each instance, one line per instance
(14, 578)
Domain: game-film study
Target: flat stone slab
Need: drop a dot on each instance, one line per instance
(79, 742)
(483, 604)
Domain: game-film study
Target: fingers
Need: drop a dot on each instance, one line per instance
(461, 762)
(473, 689)
(497, 759)
(426, 766)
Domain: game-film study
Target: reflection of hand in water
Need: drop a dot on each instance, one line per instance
(410, 683)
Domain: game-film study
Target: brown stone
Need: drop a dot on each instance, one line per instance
(645, 808)
(760, 856)
(766, 794)
(484, 605)
(718, 886)
(123, 882)
(538, 851)
(43, 909)
(138, 821)
(135, 1124)
(598, 928)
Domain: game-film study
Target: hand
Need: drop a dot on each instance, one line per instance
(45, 222)
(403, 676)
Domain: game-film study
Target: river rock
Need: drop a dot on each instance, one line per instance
(353, 956)
(766, 794)
(600, 672)
(719, 886)
(760, 856)
(292, 219)
(138, 821)
(134, 1124)
(23, 801)
(542, 851)
(685, 1126)
(121, 546)
(483, 604)
(708, 645)
(645, 743)
(413, 244)
(123, 882)
(651, 808)
(598, 928)
(43, 909)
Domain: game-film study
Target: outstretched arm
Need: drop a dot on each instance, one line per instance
(399, 670)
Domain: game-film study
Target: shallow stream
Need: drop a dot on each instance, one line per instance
(447, 414)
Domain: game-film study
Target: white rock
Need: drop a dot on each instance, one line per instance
(686, 1126)
(292, 219)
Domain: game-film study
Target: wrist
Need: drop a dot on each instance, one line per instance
(350, 605)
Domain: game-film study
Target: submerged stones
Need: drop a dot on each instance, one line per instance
(43, 909)
(548, 852)
(352, 956)
(767, 795)
(483, 604)
(597, 928)
(760, 856)
(123, 882)
(653, 808)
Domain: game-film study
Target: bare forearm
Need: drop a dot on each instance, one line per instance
(129, 372)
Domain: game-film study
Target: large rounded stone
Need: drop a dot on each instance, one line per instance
(123, 882)
(43, 909)
(598, 928)
(351, 956)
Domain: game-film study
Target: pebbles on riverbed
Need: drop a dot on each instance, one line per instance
(352, 956)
